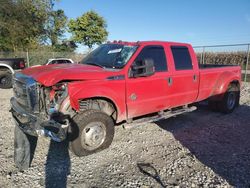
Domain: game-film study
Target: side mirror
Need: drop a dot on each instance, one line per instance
(142, 68)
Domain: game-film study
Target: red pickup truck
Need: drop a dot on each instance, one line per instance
(117, 82)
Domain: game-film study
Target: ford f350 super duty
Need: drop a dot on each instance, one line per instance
(117, 82)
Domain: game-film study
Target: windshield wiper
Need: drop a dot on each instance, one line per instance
(95, 64)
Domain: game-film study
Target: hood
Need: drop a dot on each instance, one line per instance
(51, 74)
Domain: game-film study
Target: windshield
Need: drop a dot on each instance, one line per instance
(110, 56)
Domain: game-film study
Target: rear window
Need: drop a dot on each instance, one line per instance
(63, 61)
(182, 59)
(60, 61)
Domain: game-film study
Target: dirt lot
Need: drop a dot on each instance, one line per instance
(199, 149)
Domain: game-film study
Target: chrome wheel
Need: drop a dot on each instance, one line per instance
(90, 131)
(3, 80)
(231, 100)
(93, 135)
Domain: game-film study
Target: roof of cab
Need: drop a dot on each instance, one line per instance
(153, 42)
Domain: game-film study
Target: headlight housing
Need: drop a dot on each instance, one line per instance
(57, 94)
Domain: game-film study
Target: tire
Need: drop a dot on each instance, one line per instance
(230, 100)
(5, 80)
(94, 130)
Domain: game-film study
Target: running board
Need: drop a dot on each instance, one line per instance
(160, 116)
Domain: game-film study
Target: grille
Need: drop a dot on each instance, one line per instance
(26, 92)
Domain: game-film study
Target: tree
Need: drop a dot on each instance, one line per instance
(56, 26)
(26, 23)
(22, 22)
(65, 46)
(89, 29)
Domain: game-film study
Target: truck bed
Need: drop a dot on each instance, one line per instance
(213, 75)
(14, 63)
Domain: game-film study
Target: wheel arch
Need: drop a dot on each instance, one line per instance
(223, 82)
(88, 101)
(5, 66)
(235, 82)
(102, 103)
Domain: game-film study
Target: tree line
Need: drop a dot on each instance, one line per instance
(34, 24)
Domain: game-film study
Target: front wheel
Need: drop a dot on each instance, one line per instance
(95, 132)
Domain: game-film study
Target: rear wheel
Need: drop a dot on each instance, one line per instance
(5, 80)
(95, 132)
(230, 99)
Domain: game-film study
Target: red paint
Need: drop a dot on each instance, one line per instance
(139, 96)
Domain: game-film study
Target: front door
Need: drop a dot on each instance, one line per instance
(148, 94)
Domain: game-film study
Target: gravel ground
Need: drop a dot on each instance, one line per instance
(199, 149)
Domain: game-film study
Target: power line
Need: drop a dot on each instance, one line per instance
(222, 45)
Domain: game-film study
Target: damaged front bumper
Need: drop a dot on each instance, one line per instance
(33, 125)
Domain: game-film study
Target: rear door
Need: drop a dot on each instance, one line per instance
(148, 94)
(185, 77)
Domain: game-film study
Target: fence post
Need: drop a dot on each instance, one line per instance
(246, 69)
(203, 55)
(27, 57)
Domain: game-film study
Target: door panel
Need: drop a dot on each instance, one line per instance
(146, 94)
(184, 88)
(185, 77)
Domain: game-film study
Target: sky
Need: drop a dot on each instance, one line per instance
(199, 22)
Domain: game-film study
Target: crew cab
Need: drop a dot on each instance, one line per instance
(118, 82)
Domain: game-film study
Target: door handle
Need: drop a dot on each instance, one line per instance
(170, 81)
(195, 78)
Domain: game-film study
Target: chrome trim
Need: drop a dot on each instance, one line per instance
(34, 125)
(25, 110)
(117, 77)
(26, 92)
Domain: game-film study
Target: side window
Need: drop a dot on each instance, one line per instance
(156, 53)
(182, 59)
(60, 62)
(53, 62)
(67, 61)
